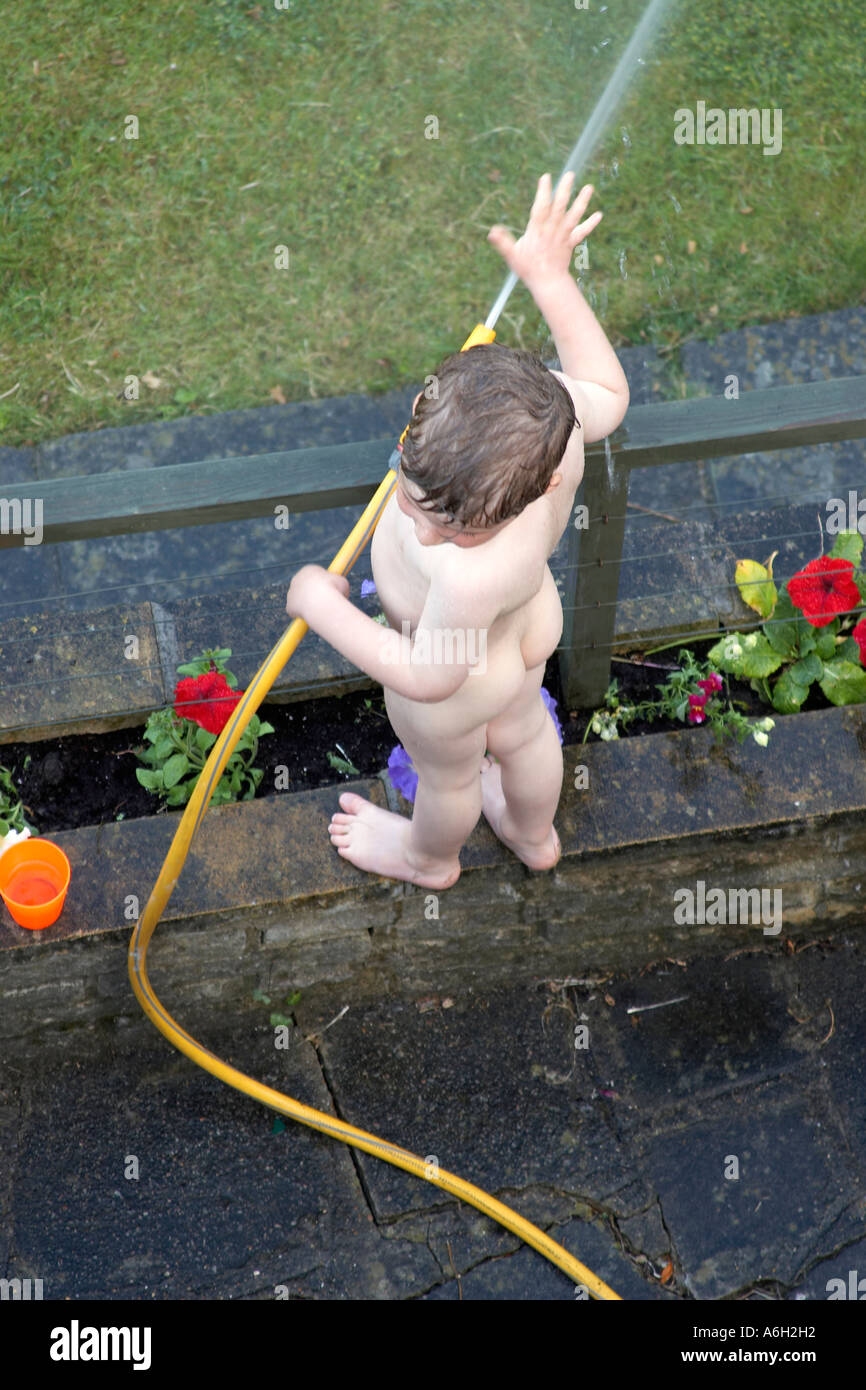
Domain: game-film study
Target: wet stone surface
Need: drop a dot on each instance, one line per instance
(624, 1154)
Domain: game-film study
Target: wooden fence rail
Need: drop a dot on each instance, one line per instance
(234, 489)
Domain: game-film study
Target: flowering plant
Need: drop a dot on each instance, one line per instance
(691, 693)
(810, 632)
(13, 824)
(180, 738)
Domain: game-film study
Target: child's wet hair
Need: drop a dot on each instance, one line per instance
(488, 444)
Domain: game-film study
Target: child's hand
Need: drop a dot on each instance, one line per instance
(544, 251)
(307, 588)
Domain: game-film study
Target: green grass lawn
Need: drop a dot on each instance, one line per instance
(304, 128)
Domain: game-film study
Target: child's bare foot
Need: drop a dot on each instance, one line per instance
(378, 841)
(537, 856)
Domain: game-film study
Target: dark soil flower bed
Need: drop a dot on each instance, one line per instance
(89, 779)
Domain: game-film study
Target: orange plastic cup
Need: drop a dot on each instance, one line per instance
(34, 878)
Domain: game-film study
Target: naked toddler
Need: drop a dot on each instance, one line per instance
(489, 471)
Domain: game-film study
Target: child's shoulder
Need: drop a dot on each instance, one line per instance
(508, 569)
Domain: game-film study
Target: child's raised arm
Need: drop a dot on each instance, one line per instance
(542, 259)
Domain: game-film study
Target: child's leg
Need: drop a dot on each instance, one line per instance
(448, 799)
(521, 793)
(424, 850)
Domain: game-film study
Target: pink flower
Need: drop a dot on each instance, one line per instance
(712, 683)
(697, 712)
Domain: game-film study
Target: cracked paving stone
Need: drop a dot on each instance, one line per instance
(223, 1207)
(527, 1275)
(847, 1266)
(488, 1088)
(731, 1232)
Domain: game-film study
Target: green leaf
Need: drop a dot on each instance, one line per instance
(4, 828)
(782, 631)
(758, 658)
(266, 729)
(260, 997)
(787, 632)
(825, 640)
(788, 694)
(293, 999)
(205, 739)
(179, 795)
(280, 1019)
(342, 765)
(756, 586)
(810, 668)
(848, 651)
(176, 767)
(151, 780)
(844, 683)
(848, 546)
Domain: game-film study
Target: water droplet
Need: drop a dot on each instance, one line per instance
(626, 138)
(614, 169)
(622, 270)
(674, 201)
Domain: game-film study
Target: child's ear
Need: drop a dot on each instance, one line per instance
(555, 480)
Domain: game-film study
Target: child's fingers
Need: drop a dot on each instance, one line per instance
(578, 233)
(502, 239)
(563, 193)
(541, 207)
(580, 204)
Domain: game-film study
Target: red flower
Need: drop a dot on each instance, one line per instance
(207, 699)
(711, 684)
(823, 589)
(859, 635)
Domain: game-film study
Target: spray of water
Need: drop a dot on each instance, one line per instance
(598, 121)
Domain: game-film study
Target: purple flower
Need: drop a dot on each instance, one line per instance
(367, 587)
(551, 705)
(402, 772)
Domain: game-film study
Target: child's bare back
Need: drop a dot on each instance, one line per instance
(419, 573)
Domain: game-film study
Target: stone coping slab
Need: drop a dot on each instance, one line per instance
(265, 901)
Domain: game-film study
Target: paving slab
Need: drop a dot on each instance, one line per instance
(491, 1088)
(747, 1187)
(162, 1183)
(841, 1277)
(231, 1204)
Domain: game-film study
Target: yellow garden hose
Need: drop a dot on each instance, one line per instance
(171, 871)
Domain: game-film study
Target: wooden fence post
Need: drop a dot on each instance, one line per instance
(595, 539)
